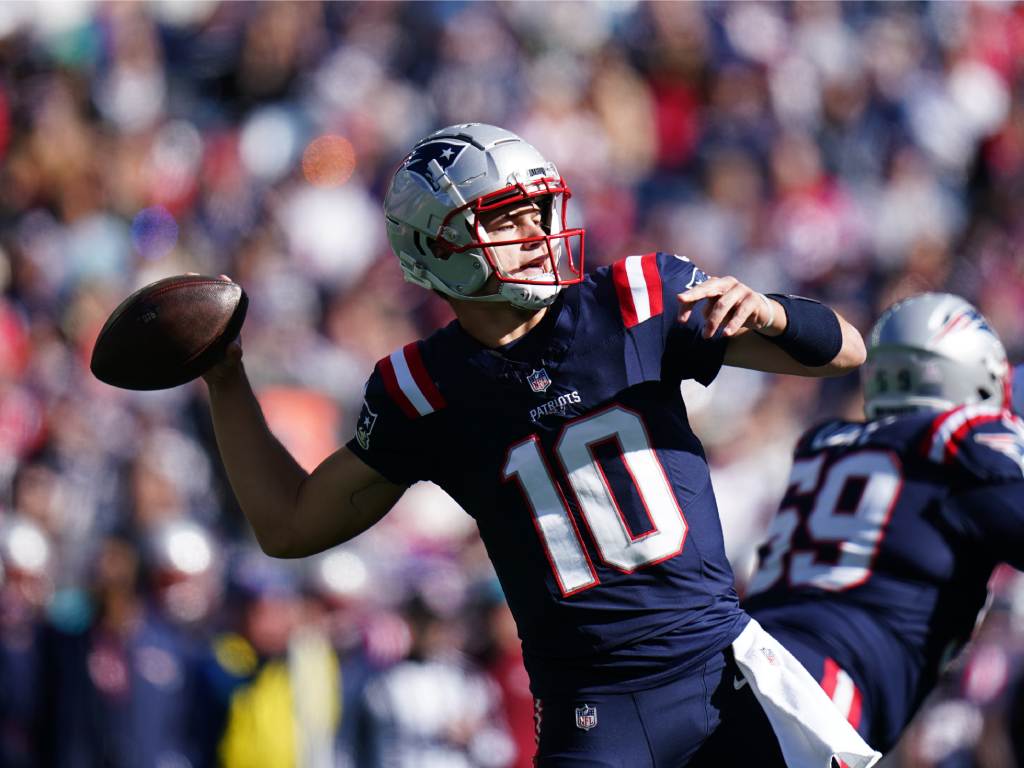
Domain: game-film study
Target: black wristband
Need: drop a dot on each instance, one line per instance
(812, 336)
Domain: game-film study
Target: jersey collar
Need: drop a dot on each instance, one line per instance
(544, 345)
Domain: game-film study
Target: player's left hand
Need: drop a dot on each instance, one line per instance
(731, 305)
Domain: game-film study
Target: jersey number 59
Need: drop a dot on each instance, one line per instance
(617, 545)
(846, 508)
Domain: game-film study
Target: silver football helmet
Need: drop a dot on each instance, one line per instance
(933, 351)
(433, 208)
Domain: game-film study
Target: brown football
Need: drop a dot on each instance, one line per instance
(169, 332)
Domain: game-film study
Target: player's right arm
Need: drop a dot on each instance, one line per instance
(293, 513)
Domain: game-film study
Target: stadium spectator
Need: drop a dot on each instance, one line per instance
(26, 587)
(268, 683)
(494, 641)
(434, 707)
(115, 689)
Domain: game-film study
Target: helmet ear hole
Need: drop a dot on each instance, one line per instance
(418, 242)
(436, 250)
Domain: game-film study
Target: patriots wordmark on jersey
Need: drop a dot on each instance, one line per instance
(572, 451)
(875, 569)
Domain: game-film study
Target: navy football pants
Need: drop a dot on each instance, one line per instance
(840, 687)
(702, 720)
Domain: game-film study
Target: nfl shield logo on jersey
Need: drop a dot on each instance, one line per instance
(586, 717)
(539, 380)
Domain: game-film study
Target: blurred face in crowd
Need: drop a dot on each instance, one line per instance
(270, 620)
(116, 568)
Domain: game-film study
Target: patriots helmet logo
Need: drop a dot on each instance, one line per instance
(367, 420)
(444, 152)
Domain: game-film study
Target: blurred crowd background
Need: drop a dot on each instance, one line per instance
(854, 152)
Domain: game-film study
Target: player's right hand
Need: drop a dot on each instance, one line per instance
(231, 363)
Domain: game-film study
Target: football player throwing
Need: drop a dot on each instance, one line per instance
(550, 409)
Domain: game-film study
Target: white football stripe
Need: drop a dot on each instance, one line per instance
(638, 287)
(408, 384)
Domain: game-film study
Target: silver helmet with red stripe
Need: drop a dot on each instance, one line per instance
(933, 351)
(453, 178)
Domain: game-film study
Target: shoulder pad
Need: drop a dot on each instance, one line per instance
(827, 434)
(987, 441)
(408, 382)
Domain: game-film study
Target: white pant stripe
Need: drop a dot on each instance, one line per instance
(843, 694)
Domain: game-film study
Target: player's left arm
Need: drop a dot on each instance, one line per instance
(779, 334)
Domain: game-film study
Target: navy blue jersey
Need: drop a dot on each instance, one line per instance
(572, 451)
(881, 552)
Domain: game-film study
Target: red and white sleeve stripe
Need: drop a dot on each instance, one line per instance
(950, 427)
(408, 383)
(638, 287)
(843, 691)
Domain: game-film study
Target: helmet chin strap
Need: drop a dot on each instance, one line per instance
(516, 294)
(529, 296)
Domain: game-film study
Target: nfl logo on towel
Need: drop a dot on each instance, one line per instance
(586, 717)
(539, 380)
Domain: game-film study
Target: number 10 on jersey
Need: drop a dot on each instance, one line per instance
(617, 545)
